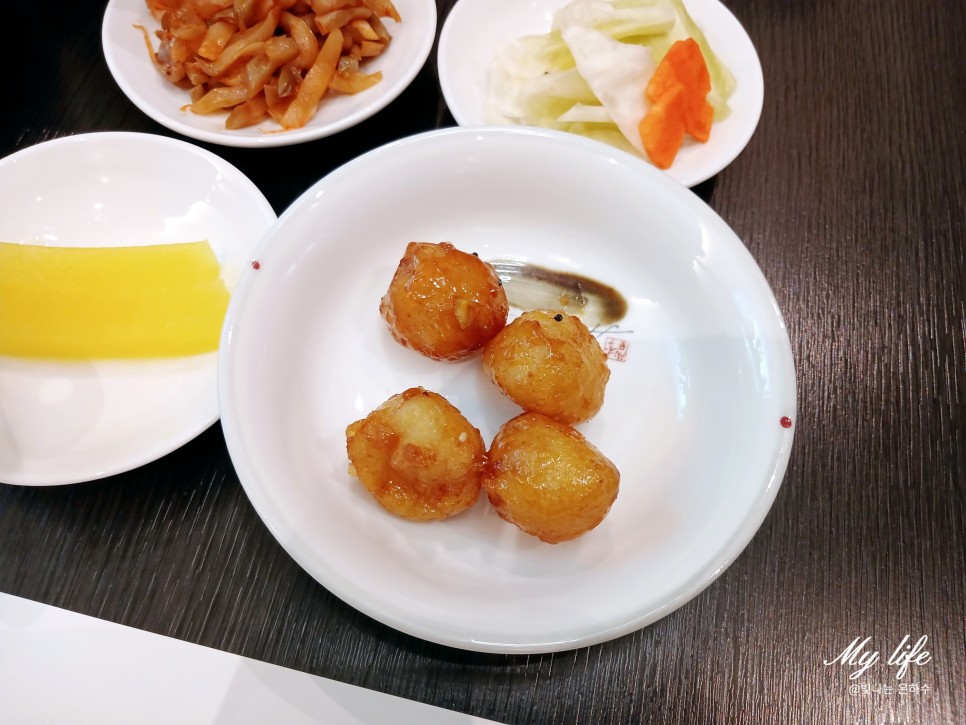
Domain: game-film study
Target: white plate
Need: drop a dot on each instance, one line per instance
(475, 29)
(691, 417)
(70, 422)
(129, 63)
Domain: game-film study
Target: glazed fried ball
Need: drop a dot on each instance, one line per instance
(548, 362)
(544, 477)
(418, 456)
(442, 302)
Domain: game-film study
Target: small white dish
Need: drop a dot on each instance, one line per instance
(692, 416)
(129, 63)
(66, 422)
(476, 29)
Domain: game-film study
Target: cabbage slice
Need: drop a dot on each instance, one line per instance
(586, 113)
(617, 18)
(617, 73)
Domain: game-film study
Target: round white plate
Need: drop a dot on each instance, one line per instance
(129, 63)
(64, 422)
(475, 29)
(691, 416)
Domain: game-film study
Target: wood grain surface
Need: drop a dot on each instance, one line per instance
(851, 198)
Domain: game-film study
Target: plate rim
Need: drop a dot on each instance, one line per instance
(254, 196)
(754, 74)
(287, 536)
(292, 137)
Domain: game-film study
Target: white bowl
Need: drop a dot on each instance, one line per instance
(475, 29)
(691, 417)
(129, 63)
(64, 422)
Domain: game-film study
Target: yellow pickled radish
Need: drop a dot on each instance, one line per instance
(80, 303)
(157, 264)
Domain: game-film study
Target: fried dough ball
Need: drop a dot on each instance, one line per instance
(547, 479)
(548, 362)
(418, 456)
(442, 302)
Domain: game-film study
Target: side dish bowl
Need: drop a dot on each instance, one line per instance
(129, 63)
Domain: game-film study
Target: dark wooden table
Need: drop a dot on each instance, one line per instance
(851, 196)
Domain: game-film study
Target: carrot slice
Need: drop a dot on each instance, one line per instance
(662, 128)
(684, 64)
(663, 80)
(688, 63)
(698, 123)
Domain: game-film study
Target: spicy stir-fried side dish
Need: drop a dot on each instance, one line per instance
(264, 59)
(637, 74)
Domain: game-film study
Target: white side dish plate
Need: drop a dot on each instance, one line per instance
(66, 422)
(129, 63)
(476, 29)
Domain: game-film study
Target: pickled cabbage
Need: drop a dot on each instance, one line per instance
(587, 75)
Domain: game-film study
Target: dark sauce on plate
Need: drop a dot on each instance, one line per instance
(532, 287)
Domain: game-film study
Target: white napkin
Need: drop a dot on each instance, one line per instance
(60, 667)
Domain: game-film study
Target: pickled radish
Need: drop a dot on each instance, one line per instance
(82, 303)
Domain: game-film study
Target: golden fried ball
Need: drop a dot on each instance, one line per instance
(549, 362)
(544, 477)
(418, 456)
(443, 302)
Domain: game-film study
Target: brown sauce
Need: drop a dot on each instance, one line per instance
(532, 287)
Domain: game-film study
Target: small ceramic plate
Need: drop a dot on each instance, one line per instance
(476, 29)
(129, 63)
(702, 377)
(63, 422)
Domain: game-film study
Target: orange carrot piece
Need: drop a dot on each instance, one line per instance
(698, 124)
(662, 128)
(684, 64)
(663, 80)
(686, 59)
